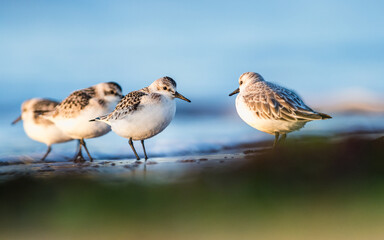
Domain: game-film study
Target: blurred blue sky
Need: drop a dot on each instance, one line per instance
(50, 48)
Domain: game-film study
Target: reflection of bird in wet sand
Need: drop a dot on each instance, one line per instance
(271, 108)
(39, 128)
(144, 113)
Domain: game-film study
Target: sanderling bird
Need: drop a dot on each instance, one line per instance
(39, 128)
(73, 113)
(271, 108)
(144, 113)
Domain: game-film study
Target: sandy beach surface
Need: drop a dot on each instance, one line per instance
(160, 170)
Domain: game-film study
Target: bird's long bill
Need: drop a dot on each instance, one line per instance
(235, 92)
(178, 95)
(16, 120)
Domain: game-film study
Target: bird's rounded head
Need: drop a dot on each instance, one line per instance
(248, 77)
(245, 79)
(166, 86)
(109, 91)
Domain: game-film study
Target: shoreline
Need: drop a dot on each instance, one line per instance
(161, 169)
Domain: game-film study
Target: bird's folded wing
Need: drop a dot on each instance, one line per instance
(72, 105)
(279, 104)
(44, 107)
(129, 104)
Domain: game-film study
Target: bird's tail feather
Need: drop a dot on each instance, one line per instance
(307, 115)
(47, 114)
(324, 116)
(100, 119)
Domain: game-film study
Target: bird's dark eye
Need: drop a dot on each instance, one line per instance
(165, 88)
(241, 82)
(112, 92)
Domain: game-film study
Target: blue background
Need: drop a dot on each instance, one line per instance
(323, 48)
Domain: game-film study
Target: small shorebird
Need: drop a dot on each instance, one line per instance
(271, 108)
(39, 128)
(73, 113)
(144, 113)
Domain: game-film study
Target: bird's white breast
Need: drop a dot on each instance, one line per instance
(48, 134)
(265, 125)
(79, 127)
(148, 120)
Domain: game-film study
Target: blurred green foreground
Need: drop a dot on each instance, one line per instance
(309, 189)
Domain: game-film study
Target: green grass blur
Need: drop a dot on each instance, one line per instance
(311, 188)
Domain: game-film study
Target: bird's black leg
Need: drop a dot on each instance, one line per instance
(145, 153)
(78, 148)
(276, 140)
(282, 138)
(78, 156)
(133, 148)
(82, 142)
(46, 154)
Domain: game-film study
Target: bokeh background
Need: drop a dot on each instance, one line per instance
(324, 49)
(330, 52)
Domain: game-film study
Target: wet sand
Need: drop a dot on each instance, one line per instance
(162, 169)
(157, 169)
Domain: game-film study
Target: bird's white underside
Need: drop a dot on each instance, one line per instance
(270, 126)
(48, 134)
(151, 117)
(79, 127)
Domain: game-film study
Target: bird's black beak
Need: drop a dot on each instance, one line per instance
(16, 120)
(235, 92)
(178, 95)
